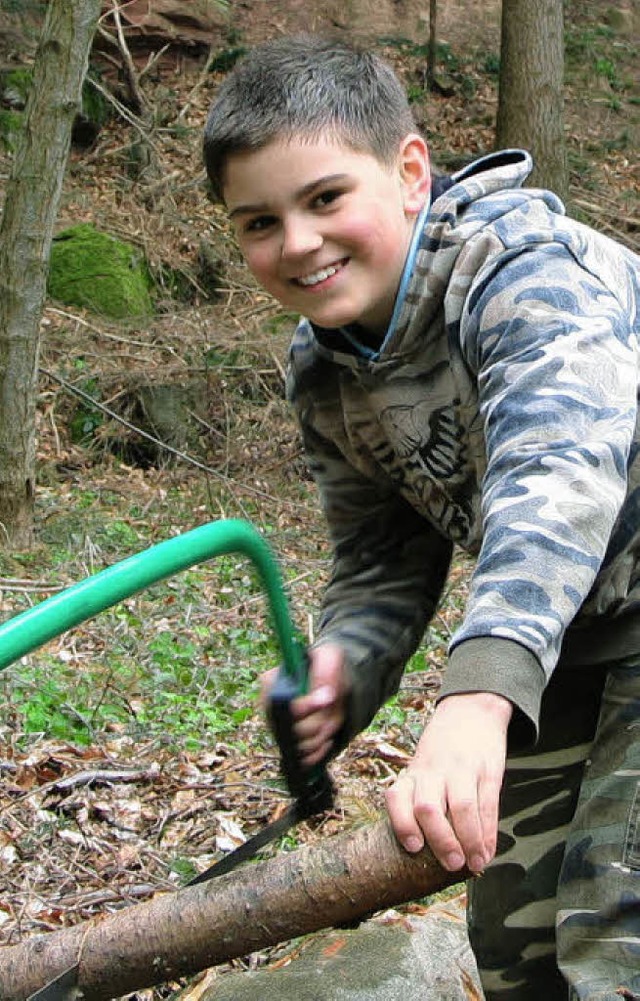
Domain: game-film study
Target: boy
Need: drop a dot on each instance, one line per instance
(466, 373)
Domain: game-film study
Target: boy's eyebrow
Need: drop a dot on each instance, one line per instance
(303, 192)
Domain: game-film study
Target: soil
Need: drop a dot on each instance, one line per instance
(461, 23)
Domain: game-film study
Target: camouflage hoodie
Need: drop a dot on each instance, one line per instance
(499, 415)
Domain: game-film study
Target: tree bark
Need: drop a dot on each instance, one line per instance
(340, 880)
(26, 231)
(433, 42)
(531, 97)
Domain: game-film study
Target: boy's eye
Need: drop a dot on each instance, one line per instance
(326, 198)
(259, 223)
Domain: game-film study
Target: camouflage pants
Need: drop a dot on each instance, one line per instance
(563, 893)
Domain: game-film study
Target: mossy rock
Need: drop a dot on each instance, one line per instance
(10, 128)
(93, 270)
(15, 86)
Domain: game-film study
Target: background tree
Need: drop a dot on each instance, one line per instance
(432, 49)
(26, 232)
(530, 100)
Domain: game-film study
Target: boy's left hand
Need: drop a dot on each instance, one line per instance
(449, 794)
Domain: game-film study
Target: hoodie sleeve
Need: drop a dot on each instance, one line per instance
(554, 357)
(389, 568)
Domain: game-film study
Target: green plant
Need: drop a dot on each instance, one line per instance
(86, 419)
(49, 697)
(491, 64)
(226, 59)
(183, 867)
(119, 535)
(605, 67)
(582, 41)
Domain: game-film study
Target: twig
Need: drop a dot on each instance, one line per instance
(98, 330)
(199, 82)
(227, 480)
(132, 427)
(102, 776)
(54, 429)
(95, 898)
(121, 109)
(154, 57)
(132, 77)
(151, 189)
(22, 584)
(601, 210)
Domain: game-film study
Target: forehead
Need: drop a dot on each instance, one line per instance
(284, 167)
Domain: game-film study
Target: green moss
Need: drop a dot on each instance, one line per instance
(93, 270)
(10, 128)
(15, 86)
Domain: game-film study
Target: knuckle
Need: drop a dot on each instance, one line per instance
(427, 808)
(464, 805)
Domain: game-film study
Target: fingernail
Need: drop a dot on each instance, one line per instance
(454, 861)
(413, 845)
(476, 863)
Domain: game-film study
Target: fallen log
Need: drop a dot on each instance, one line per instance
(339, 881)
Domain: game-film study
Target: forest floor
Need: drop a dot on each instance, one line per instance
(132, 753)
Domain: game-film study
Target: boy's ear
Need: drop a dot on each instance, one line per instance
(415, 172)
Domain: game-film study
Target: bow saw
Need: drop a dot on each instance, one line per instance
(310, 788)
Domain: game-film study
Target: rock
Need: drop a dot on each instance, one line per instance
(392, 957)
(93, 270)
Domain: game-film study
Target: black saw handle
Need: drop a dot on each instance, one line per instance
(311, 787)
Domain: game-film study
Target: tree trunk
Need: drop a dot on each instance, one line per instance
(433, 42)
(26, 231)
(531, 99)
(340, 880)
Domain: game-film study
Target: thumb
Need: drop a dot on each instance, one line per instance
(326, 673)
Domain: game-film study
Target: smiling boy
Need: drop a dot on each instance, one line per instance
(465, 373)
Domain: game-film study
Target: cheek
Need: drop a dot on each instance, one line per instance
(374, 235)
(260, 262)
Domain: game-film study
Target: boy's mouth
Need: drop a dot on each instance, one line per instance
(321, 275)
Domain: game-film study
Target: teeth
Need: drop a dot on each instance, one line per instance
(319, 276)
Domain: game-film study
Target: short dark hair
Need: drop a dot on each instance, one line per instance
(306, 85)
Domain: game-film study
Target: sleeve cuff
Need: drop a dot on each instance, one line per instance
(501, 666)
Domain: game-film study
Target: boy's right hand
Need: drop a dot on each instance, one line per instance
(319, 715)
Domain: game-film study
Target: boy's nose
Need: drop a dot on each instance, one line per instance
(300, 237)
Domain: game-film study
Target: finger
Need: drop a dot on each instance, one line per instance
(314, 736)
(489, 789)
(465, 820)
(399, 800)
(322, 699)
(320, 724)
(430, 811)
(316, 754)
